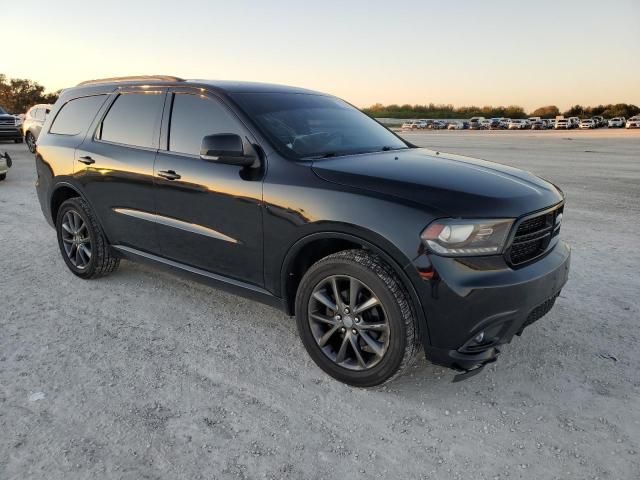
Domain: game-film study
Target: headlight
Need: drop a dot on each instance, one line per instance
(455, 238)
(18, 121)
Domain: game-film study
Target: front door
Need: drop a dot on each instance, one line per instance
(209, 215)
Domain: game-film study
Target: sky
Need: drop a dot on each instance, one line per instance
(460, 52)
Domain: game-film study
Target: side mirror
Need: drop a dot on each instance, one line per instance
(225, 148)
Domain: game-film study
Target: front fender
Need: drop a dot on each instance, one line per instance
(374, 243)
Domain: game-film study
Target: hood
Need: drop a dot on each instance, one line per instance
(455, 185)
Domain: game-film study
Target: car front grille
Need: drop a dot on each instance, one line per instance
(8, 121)
(533, 236)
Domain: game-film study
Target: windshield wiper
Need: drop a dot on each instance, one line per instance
(357, 152)
(321, 155)
(386, 148)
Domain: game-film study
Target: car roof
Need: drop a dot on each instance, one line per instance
(225, 86)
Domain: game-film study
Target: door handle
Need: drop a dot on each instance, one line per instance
(169, 175)
(87, 160)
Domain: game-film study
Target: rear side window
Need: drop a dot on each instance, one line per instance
(40, 114)
(75, 116)
(133, 119)
(193, 117)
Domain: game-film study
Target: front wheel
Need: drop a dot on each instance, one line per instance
(355, 319)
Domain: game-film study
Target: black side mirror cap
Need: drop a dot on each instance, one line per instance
(225, 148)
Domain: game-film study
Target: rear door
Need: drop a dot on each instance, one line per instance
(115, 167)
(209, 215)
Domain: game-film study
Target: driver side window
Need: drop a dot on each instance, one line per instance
(195, 116)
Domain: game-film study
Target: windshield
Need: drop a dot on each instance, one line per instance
(3, 111)
(308, 126)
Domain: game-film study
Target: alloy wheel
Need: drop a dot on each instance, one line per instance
(76, 240)
(348, 322)
(31, 142)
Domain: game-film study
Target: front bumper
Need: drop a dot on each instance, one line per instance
(10, 133)
(463, 297)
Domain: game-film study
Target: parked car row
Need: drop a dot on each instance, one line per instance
(422, 124)
(23, 127)
(532, 123)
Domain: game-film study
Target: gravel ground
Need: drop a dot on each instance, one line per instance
(145, 375)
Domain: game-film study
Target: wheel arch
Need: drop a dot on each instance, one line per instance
(314, 246)
(62, 191)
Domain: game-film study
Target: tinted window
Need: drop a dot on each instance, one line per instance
(75, 116)
(305, 126)
(193, 118)
(133, 119)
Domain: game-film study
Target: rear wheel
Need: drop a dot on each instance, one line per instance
(3, 176)
(82, 243)
(31, 142)
(355, 319)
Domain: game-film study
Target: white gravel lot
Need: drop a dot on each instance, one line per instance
(146, 375)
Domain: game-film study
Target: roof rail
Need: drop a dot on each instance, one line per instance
(134, 78)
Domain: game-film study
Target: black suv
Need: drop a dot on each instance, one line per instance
(299, 200)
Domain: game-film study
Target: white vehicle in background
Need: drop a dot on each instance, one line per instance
(486, 124)
(414, 125)
(633, 122)
(505, 122)
(574, 122)
(617, 122)
(562, 124)
(599, 121)
(534, 119)
(455, 126)
(549, 122)
(516, 124)
(587, 123)
(32, 124)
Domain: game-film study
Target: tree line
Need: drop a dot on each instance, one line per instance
(17, 95)
(512, 111)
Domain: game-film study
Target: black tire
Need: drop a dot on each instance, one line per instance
(374, 274)
(31, 142)
(3, 176)
(101, 261)
(18, 140)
